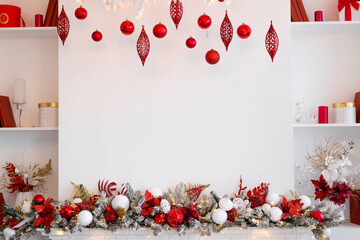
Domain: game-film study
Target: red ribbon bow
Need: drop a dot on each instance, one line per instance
(347, 4)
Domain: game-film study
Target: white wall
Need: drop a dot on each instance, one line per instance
(329, 8)
(177, 118)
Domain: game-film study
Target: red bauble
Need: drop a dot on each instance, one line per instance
(160, 30)
(80, 13)
(39, 199)
(212, 57)
(221, 0)
(96, 36)
(160, 218)
(318, 216)
(244, 31)
(67, 212)
(191, 42)
(232, 215)
(175, 217)
(110, 215)
(77, 209)
(204, 21)
(127, 27)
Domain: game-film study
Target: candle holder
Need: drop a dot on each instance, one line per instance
(19, 109)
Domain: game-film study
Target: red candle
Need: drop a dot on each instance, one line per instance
(323, 114)
(38, 20)
(318, 16)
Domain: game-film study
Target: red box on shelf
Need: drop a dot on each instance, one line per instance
(355, 207)
(10, 16)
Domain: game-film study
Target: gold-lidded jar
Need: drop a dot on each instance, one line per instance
(344, 112)
(48, 114)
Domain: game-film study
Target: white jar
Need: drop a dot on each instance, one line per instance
(345, 113)
(48, 114)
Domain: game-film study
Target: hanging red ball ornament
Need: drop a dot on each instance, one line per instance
(212, 57)
(272, 42)
(63, 25)
(96, 36)
(191, 42)
(81, 13)
(221, 0)
(67, 212)
(318, 216)
(244, 31)
(175, 217)
(39, 199)
(159, 30)
(204, 21)
(110, 215)
(160, 218)
(127, 27)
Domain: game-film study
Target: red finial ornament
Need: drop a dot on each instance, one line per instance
(176, 11)
(63, 26)
(143, 45)
(226, 31)
(272, 42)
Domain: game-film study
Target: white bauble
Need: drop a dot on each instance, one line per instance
(8, 233)
(327, 232)
(272, 199)
(266, 207)
(249, 211)
(219, 216)
(306, 201)
(165, 205)
(85, 217)
(226, 204)
(26, 207)
(275, 214)
(156, 192)
(120, 201)
(77, 200)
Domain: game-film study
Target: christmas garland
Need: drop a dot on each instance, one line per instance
(183, 208)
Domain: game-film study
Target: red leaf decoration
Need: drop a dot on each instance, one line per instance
(257, 195)
(226, 31)
(272, 42)
(143, 45)
(176, 11)
(63, 26)
(38, 221)
(194, 193)
(87, 205)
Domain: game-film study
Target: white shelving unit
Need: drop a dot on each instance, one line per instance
(29, 32)
(330, 125)
(27, 129)
(325, 27)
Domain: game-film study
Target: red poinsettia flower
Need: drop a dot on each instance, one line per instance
(149, 204)
(291, 208)
(257, 195)
(339, 193)
(322, 189)
(190, 213)
(45, 213)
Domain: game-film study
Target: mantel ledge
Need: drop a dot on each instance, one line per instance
(300, 233)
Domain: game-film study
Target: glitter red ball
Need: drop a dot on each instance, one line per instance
(81, 13)
(96, 36)
(159, 30)
(204, 21)
(191, 42)
(127, 27)
(67, 212)
(212, 57)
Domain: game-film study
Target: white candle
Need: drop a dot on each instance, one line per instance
(19, 91)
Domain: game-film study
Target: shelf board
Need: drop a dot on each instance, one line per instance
(329, 125)
(326, 27)
(28, 32)
(16, 129)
